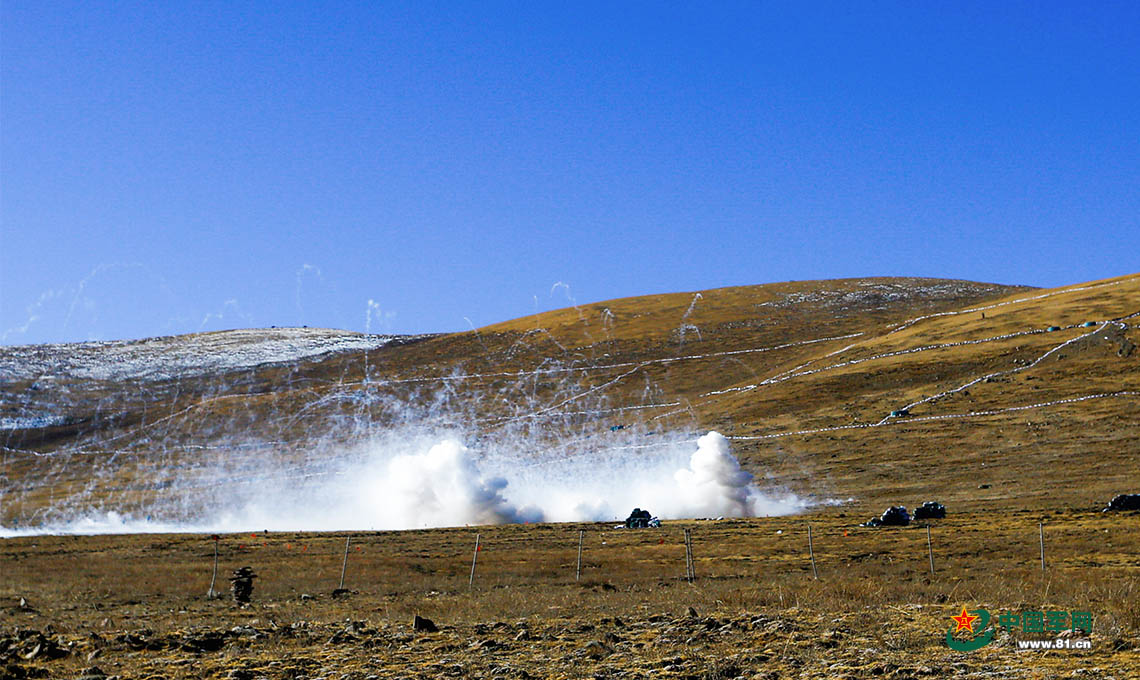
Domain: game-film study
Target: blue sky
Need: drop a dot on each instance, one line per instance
(174, 167)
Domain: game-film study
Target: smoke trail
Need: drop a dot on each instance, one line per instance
(300, 276)
(685, 325)
(234, 308)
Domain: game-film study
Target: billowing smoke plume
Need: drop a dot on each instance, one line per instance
(714, 484)
(410, 480)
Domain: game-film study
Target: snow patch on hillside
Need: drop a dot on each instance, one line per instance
(31, 422)
(179, 356)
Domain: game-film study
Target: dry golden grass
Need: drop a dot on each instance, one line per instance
(138, 601)
(875, 611)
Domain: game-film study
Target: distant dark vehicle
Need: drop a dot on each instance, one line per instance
(1053, 328)
(1124, 501)
(894, 516)
(930, 510)
(640, 519)
(900, 412)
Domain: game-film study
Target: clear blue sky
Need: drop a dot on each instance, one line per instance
(176, 166)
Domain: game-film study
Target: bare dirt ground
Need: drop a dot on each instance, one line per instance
(135, 606)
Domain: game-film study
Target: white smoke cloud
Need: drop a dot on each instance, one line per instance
(412, 480)
(715, 484)
(441, 487)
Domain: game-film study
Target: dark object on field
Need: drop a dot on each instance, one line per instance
(615, 428)
(241, 584)
(1088, 324)
(424, 625)
(930, 510)
(208, 641)
(894, 516)
(339, 593)
(1053, 328)
(1124, 501)
(27, 644)
(640, 519)
(900, 412)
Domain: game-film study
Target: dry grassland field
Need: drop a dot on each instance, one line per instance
(1017, 408)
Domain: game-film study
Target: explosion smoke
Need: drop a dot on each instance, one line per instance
(449, 450)
(404, 479)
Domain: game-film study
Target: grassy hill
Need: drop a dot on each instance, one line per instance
(1019, 408)
(802, 376)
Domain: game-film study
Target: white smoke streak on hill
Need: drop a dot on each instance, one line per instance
(997, 374)
(794, 373)
(444, 379)
(604, 367)
(910, 322)
(947, 416)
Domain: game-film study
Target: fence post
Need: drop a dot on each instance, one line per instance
(474, 559)
(1041, 535)
(578, 572)
(690, 566)
(344, 565)
(929, 550)
(811, 553)
(211, 593)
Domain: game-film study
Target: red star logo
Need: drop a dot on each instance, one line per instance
(965, 621)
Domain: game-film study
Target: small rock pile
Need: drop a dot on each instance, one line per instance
(897, 515)
(1124, 501)
(930, 510)
(24, 645)
(894, 516)
(423, 625)
(241, 584)
(638, 519)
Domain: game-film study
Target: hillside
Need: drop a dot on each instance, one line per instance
(1018, 408)
(802, 378)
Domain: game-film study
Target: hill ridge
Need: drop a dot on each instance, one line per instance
(854, 388)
